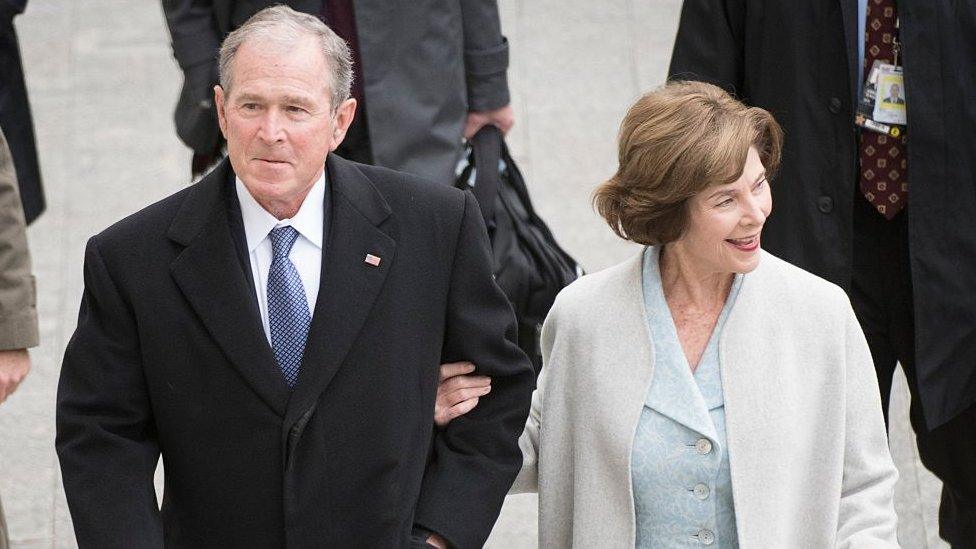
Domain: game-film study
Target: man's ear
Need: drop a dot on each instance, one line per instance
(342, 119)
(219, 103)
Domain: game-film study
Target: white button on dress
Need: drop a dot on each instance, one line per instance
(704, 446)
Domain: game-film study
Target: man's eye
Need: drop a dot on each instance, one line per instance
(724, 203)
(296, 109)
(250, 106)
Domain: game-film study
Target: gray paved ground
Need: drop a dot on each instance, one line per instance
(103, 85)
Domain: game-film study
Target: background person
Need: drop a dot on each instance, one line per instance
(18, 312)
(892, 221)
(424, 73)
(704, 366)
(274, 332)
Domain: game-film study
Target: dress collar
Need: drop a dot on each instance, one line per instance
(258, 222)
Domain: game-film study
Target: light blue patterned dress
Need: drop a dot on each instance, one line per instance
(680, 475)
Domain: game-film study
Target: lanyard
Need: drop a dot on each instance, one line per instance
(895, 42)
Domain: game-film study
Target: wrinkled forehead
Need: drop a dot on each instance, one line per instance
(268, 64)
(301, 51)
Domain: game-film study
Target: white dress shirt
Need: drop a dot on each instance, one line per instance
(306, 253)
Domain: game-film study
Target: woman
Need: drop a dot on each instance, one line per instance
(704, 392)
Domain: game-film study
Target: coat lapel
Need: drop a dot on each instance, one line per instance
(623, 382)
(674, 391)
(849, 13)
(749, 402)
(211, 276)
(349, 283)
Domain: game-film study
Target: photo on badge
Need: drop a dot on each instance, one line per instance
(890, 104)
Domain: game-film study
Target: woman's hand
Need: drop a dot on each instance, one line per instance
(458, 392)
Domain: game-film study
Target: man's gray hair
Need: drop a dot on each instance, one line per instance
(284, 27)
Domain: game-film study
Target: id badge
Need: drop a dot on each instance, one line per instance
(881, 107)
(889, 107)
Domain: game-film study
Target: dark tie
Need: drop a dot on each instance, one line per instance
(288, 314)
(883, 162)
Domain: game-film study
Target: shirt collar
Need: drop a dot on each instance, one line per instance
(258, 222)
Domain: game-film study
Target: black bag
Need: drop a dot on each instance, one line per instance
(527, 263)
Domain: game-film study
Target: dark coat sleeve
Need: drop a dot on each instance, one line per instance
(106, 439)
(475, 459)
(709, 45)
(485, 55)
(196, 40)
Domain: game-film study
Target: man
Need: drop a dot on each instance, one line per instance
(274, 332)
(425, 72)
(18, 313)
(15, 114)
(891, 220)
(894, 95)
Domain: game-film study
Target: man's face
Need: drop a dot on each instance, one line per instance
(895, 91)
(278, 121)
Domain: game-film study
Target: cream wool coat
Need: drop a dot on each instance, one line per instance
(807, 443)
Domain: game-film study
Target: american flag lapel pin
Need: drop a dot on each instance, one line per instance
(372, 260)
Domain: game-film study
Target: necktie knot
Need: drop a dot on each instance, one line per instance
(282, 239)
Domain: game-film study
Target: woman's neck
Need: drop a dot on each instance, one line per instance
(686, 280)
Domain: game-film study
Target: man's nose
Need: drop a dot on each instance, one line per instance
(271, 129)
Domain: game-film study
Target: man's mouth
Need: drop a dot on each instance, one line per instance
(747, 244)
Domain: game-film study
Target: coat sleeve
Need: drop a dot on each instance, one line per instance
(867, 514)
(485, 55)
(193, 30)
(476, 457)
(709, 44)
(196, 44)
(18, 312)
(106, 439)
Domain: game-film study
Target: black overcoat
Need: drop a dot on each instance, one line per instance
(797, 59)
(15, 114)
(170, 357)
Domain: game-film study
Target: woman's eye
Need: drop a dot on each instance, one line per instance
(760, 185)
(724, 203)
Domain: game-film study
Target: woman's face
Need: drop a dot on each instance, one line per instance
(725, 221)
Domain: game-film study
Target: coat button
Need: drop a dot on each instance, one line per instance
(703, 446)
(701, 491)
(825, 204)
(834, 105)
(706, 537)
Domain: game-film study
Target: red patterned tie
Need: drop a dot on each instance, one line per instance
(883, 161)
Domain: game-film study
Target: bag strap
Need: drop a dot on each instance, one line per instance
(487, 146)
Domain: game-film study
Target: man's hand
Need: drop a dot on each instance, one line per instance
(14, 366)
(503, 119)
(458, 392)
(437, 541)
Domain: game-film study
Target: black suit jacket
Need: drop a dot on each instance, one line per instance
(798, 59)
(169, 357)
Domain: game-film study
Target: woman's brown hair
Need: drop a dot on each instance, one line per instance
(675, 142)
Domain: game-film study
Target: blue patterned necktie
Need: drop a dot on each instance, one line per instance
(287, 307)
